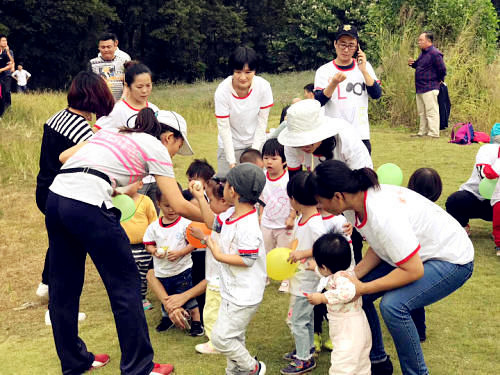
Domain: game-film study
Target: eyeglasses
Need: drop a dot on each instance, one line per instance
(350, 46)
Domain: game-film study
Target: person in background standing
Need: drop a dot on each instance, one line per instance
(430, 71)
(21, 76)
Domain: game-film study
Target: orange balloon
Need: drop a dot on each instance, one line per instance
(194, 241)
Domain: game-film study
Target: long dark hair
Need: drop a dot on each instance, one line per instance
(147, 122)
(334, 176)
(326, 148)
(90, 93)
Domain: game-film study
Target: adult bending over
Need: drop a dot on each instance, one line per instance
(242, 105)
(418, 255)
(81, 219)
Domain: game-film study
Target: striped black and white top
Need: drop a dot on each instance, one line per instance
(62, 131)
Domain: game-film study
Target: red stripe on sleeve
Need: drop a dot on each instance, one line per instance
(267, 106)
(222, 116)
(294, 169)
(409, 256)
(149, 243)
(255, 251)
(97, 126)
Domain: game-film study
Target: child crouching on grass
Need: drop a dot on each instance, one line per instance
(145, 214)
(308, 228)
(166, 240)
(349, 329)
(242, 268)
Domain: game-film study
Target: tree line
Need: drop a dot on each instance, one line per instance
(187, 40)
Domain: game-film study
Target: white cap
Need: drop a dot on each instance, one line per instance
(176, 121)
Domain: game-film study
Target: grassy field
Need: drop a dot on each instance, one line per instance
(463, 329)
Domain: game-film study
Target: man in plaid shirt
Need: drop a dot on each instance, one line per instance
(429, 73)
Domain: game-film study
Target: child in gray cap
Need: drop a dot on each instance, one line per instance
(242, 258)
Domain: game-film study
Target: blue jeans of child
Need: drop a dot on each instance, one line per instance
(178, 284)
(440, 279)
(303, 327)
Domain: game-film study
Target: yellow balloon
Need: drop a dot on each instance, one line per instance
(278, 268)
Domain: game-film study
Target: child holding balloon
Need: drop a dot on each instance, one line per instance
(308, 228)
(145, 214)
(166, 240)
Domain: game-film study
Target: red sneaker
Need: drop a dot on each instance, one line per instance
(100, 360)
(162, 369)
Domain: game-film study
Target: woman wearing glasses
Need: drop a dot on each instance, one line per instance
(343, 85)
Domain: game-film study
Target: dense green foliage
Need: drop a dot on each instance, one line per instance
(189, 40)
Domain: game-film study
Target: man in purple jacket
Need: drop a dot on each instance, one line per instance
(429, 73)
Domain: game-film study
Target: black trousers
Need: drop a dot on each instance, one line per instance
(75, 229)
(463, 205)
(6, 86)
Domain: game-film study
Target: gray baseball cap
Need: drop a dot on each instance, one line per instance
(248, 181)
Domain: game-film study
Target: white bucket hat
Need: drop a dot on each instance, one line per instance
(307, 124)
(176, 121)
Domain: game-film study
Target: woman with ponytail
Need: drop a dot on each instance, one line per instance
(81, 220)
(418, 254)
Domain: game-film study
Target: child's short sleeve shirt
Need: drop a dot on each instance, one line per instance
(275, 197)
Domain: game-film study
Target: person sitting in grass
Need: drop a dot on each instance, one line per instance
(242, 269)
(242, 104)
(349, 329)
(166, 240)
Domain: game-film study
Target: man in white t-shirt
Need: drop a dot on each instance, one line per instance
(109, 64)
(21, 76)
(242, 105)
(344, 84)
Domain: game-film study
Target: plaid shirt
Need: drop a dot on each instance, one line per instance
(429, 70)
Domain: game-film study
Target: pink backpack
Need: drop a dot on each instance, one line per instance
(462, 133)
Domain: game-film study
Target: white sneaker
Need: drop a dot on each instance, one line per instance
(206, 348)
(81, 317)
(284, 287)
(42, 291)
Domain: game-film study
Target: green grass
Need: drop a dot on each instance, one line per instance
(463, 329)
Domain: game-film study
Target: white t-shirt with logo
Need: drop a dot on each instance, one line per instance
(277, 202)
(399, 223)
(349, 148)
(349, 101)
(306, 281)
(241, 285)
(171, 237)
(112, 71)
(122, 115)
(488, 154)
(124, 157)
(242, 111)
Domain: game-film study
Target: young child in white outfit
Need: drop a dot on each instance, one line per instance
(242, 265)
(349, 329)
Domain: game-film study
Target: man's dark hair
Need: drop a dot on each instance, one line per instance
(429, 35)
(242, 56)
(297, 189)
(200, 168)
(309, 87)
(273, 148)
(90, 93)
(107, 36)
(3, 36)
(250, 155)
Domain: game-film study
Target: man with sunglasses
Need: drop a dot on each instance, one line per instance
(344, 84)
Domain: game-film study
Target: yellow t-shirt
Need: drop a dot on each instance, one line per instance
(145, 214)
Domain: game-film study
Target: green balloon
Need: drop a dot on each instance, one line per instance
(390, 174)
(487, 187)
(126, 206)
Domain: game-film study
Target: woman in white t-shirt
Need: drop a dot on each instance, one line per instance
(310, 138)
(81, 219)
(242, 105)
(418, 254)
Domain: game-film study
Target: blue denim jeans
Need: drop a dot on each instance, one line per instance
(440, 279)
(178, 284)
(303, 327)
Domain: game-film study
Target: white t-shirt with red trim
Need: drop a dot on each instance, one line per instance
(122, 115)
(348, 148)
(349, 101)
(124, 157)
(488, 154)
(212, 271)
(241, 285)
(171, 237)
(242, 111)
(305, 281)
(399, 223)
(275, 197)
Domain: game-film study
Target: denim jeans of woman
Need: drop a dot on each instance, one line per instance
(440, 279)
